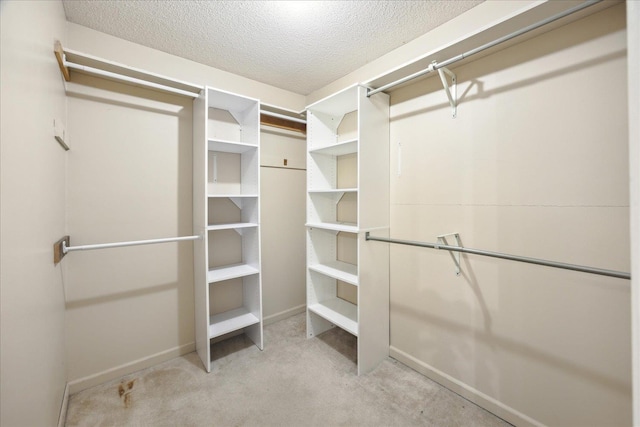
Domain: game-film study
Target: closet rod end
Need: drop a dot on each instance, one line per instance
(59, 249)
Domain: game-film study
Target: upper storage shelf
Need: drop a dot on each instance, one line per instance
(232, 120)
(69, 59)
(338, 104)
(328, 120)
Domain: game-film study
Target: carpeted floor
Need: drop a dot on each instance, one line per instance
(293, 382)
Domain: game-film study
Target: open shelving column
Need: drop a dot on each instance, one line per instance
(344, 125)
(226, 211)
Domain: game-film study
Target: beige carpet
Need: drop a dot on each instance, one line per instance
(293, 382)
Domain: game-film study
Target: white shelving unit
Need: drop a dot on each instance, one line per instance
(226, 183)
(347, 195)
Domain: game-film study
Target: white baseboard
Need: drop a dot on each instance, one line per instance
(62, 418)
(110, 374)
(487, 402)
(128, 368)
(284, 314)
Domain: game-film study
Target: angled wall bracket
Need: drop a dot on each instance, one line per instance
(450, 89)
(456, 256)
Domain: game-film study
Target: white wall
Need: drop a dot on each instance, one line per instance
(32, 214)
(535, 164)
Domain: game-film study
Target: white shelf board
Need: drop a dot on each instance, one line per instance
(230, 321)
(231, 226)
(224, 100)
(339, 312)
(335, 190)
(338, 270)
(233, 196)
(348, 227)
(338, 104)
(338, 149)
(229, 146)
(228, 272)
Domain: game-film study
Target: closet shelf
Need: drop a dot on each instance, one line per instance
(228, 272)
(347, 227)
(334, 190)
(339, 312)
(338, 149)
(338, 270)
(233, 196)
(231, 226)
(84, 63)
(229, 146)
(230, 321)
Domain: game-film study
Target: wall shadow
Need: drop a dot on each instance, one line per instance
(474, 80)
(87, 302)
(521, 348)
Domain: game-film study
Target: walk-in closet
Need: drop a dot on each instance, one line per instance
(309, 213)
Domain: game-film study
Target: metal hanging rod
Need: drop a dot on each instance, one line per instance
(437, 65)
(61, 247)
(562, 265)
(67, 249)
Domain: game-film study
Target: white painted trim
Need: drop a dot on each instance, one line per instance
(284, 314)
(473, 395)
(125, 369)
(633, 58)
(62, 418)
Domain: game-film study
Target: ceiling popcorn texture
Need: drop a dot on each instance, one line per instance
(300, 46)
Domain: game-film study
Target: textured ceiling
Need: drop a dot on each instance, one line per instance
(300, 46)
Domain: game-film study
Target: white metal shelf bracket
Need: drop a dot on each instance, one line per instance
(455, 256)
(450, 89)
(236, 201)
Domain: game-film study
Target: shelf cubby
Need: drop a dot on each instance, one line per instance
(234, 305)
(334, 207)
(338, 312)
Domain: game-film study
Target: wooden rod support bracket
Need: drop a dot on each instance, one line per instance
(282, 123)
(59, 52)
